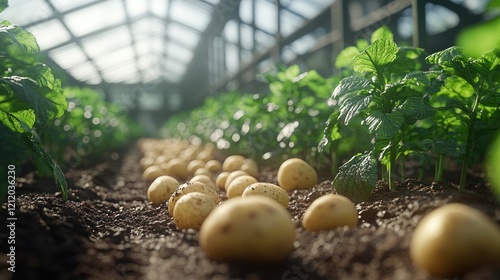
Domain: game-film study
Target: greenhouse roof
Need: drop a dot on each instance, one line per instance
(133, 42)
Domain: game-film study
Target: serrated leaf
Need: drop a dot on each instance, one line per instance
(376, 56)
(352, 106)
(449, 147)
(415, 108)
(384, 125)
(357, 177)
(351, 85)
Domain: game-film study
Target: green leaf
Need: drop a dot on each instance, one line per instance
(18, 36)
(3, 5)
(384, 125)
(376, 56)
(415, 108)
(357, 177)
(351, 85)
(493, 167)
(353, 106)
(346, 56)
(382, 33)
(59, 178)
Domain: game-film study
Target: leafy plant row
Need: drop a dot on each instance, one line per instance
(42, 121)
(391, 105)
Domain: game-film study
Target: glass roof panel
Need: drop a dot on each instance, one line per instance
(68, 56)
(85, 72)
(159, 7)
(179, 53)
(16, 12)
(115, 57)
(107, 41)
(64, 5)
(266, 16)
(116, 73)
(184, 12)
(136, 8)
(58, 33)
(95, 17)
(148, 27)
(183, 35)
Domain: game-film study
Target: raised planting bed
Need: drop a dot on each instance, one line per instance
(107, 229)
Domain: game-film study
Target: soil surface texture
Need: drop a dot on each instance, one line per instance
(108, 230)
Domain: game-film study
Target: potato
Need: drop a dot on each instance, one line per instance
(152, 172)
(454, 239)
(233, 175)
(295, 173)
(251, 229)
(194, 165)
(192, 209)
(239, 184)
(177, 168)
(220, 181)
(232, 163)
(161, 189)
(207, 180)
(328, 212)
(190, 187)
(268, 189)
(213, 166)
(202, 171)
(250, 166)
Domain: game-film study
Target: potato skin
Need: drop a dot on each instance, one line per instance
(192, 209)
(252, 229)
(161, 189)
(188, 188)
(295, 173)
(328, 212)
(268, 189)
(454, 239)
(239, 184)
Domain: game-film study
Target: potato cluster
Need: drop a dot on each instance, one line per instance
(240, 218)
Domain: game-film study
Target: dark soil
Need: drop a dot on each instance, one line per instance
(108, 230)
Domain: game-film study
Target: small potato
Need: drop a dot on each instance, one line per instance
(268, 189)
(161, 189)
(250, 166)
(213, 166)
(328, 212)
(251, 229)
(220, 181)
(177, 168)
(194, 165)
(190, 187)
(296, 173)
(192, 209)
(207, 180)
(202, 171)
(454, 239)
(233, 175)
(152, 172)
(239, 184)
(232, 163)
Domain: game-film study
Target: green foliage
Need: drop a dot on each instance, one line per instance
(388, 95)
(90, 128)
(287, 121)
(493, 166)
(470, 95)
(30, 97)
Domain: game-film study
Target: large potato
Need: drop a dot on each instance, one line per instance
(233, 175)
(268, 189)
(296, 173)
(454, 239)
(328, 212)
(152, 172)
(190, 187)
(161, 189)
(207, 180)
(192, 209)
(220, 181)
(253, 229)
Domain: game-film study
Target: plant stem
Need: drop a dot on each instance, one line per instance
(469, 144)
(438, 173)
(392, 166)
(335, 164)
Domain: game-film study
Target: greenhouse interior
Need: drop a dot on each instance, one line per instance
(250, 139)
